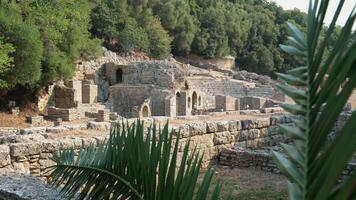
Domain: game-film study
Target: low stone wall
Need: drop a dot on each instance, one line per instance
(30, 153)
(261, 159)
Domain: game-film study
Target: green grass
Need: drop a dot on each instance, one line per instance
(265, 193)
(249, 184)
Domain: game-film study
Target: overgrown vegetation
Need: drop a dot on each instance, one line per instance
(133, 165)
(49, 37)
(320, 88)
(46, 39)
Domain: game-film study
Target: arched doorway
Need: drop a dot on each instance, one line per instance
(178, 110)
(119, 78)
(145, 111)
(189, 102)
(195, 101)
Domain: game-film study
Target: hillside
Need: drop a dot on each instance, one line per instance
(42, 41)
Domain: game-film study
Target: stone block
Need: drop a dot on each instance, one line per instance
(33, 130)
(223, 126)
(58, 129)
(23, 167)
(103, 116)
(15, 111)
(223, 138)
(49, 146)
(234, 126)
(24, 149)
(35, 120)
(99, 125)
(197, 129)
(4, 156)
(89, 93)
(262, 122)
(211, 127)
(58, 122)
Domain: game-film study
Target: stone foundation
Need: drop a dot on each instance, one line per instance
(69, 114)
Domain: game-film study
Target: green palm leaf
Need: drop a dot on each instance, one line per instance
(132, 164)
(320, 91)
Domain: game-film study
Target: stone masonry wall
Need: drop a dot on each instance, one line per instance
(29, 151)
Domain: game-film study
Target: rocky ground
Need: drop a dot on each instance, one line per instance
(14, 186)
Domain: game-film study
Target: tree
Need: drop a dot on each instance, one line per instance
(134, 37)
(132, 165)
(160, 42)
(320, 88)
(6, 61)
(64, 32)
(25, 38)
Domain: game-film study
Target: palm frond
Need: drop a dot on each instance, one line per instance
(135, 164)
(320, 91)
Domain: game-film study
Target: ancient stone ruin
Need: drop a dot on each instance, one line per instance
(231, 116)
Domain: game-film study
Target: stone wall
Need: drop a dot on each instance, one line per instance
(262, 159)
(30, 151)
(225, 103)
(76, 85)
(89, 93)
(125, 98)
(161, 73)
(66, 114)
(65, 97)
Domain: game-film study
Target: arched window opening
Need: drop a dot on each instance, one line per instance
(199, 101)
(195, 100)
(189, 101)
(119, 78)
(145, 111)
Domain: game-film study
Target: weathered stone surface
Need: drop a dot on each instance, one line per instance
(262, 123)
(184, 131)
(23, 167)
(16, 186)
(234, 126)
(57, 129)
(99, 125)
(211, 127)
(35, 120)
(33, 130)
(24, 149)
(223, 138)
(223, 126)
(197, 129)
(4, 155)
(49, 146)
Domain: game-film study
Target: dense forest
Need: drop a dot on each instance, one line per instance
(41, 40)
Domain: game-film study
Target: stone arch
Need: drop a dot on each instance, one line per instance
(119, 75)
(178, 102)
(145, 110)
(194, 100)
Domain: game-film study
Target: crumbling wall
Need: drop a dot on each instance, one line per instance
(161, 73)
(65, 97)
(125, 98)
